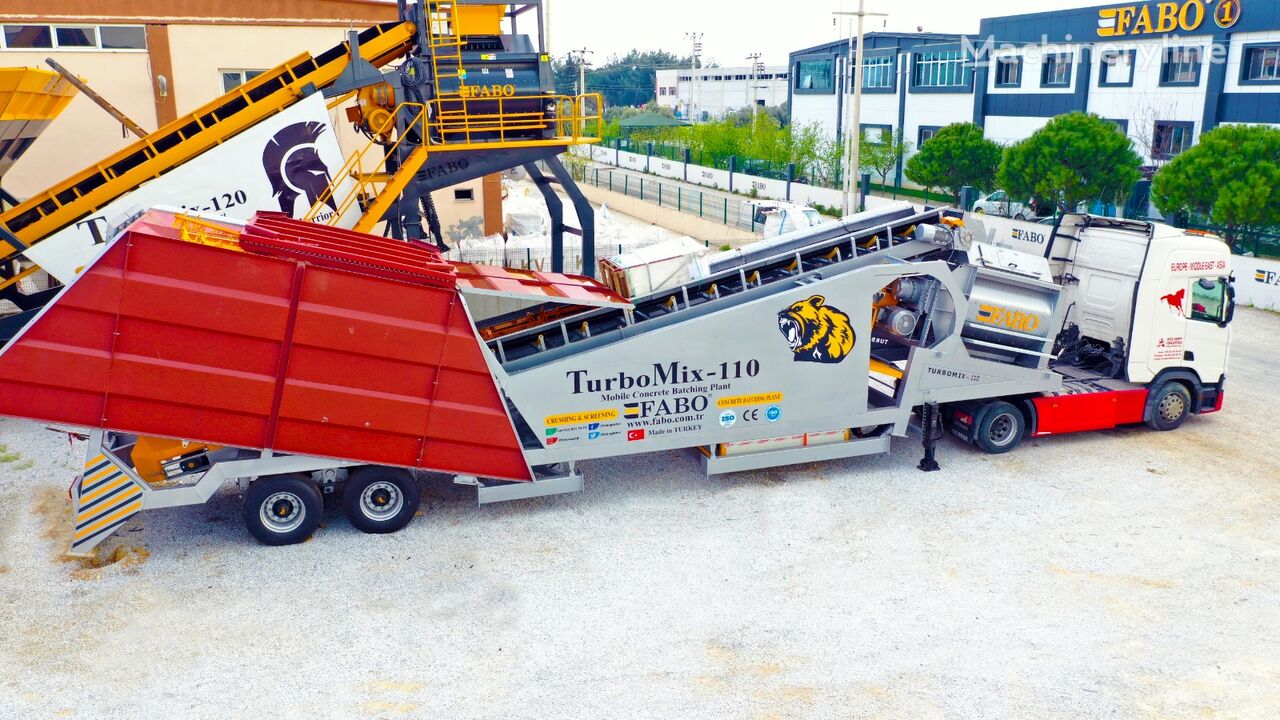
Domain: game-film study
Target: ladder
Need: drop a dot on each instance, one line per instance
(520, 349)
(446, 63)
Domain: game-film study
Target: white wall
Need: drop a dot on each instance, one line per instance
(1257, 282)
(1146, 101)
(937, 110)
(1009, 130)
(820, 109)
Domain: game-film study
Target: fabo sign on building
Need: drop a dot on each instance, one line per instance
(1158, 18)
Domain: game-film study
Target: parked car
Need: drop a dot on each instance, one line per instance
(999, 204)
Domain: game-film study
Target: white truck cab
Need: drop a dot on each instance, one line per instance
(1149, 302)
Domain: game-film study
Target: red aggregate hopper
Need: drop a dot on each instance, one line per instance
(293, 337)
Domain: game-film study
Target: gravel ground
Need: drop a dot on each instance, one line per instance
(1125, 574)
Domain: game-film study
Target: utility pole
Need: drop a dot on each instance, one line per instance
(696, 39)
(755, 104)
(582, 81)
(853, 129)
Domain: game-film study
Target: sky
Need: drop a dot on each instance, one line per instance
(733, 29)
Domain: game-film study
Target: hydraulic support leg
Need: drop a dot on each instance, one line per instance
(930, 434)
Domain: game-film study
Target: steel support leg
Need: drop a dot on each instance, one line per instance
(586, 214)
(929, 435)
(555, 207)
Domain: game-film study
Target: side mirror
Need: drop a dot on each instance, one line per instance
(1231, 302)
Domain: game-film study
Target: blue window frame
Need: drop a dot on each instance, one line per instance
(1008, 72)
(1122, 124)
(1171, 138)
(879, 73)
(926, 133)
(1055, 70)
(876, 133)
(815, 76)
(1260, 65)
(1115, 68)
(1181, 67)
(939, 71)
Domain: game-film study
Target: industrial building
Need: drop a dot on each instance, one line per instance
(1165, 72)
(710, 93)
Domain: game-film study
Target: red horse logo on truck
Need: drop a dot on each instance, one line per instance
(1174, 301)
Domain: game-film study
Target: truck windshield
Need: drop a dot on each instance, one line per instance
(1209, 300)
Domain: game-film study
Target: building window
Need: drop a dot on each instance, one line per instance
(926, 133)
(877, 73)
(1181, 67)
(878, 134)
(739, 77)
(814, 76)
(685, 78)
(1116, 68)
(1171, 138)
(1055, 70)
(1008, 72)
(1122, 124)
(74, 37)
(464, 194)
(69, 37)
(1261, 64)
(232, 79)
(939, 69)
(662, 91)
(27, 36)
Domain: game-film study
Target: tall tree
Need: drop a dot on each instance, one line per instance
(957, 155)
(1231, 177)
(1074, 158)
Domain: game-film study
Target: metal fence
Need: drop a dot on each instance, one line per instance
(714, 206)
(538, 259)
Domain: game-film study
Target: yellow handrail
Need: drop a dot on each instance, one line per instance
(440, 127)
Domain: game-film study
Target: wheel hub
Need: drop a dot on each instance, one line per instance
(1172, 407)
(381, 501)
(1001, 430)
(282, 512)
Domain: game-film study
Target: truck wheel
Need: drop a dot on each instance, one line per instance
(1168, 407)
(999, 428)
(380, 500)
(282, 509)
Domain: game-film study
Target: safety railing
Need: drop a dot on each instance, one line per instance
(509, 120)
(453, 124)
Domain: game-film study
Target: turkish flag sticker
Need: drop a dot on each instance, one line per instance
(633, 435)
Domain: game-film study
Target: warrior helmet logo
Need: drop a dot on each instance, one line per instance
(294, 167)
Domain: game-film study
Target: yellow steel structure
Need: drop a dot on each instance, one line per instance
(30, 94)
(501, 129)
(193, 134)
(447, 122)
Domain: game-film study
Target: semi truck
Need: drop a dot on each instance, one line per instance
(298, 360)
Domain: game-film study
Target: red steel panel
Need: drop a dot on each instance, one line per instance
(556, 287)
(307, 348)
(1059, 414)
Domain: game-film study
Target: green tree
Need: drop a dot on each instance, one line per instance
(1231, 177)
(624, 81)
(1073, 159)
(881, 154)
(957, 155)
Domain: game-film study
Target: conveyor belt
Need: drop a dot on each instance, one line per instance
(589, 329)
(188, 136)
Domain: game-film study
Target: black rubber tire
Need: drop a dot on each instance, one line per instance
(291, 493)
(1020, 217)
(999, 427)
(1168, 407)
(391, 491)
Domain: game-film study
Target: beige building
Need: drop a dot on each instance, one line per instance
(158, 59)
